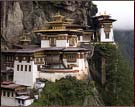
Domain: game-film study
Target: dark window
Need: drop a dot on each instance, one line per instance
(21, 67)
(8, 94)
(29, 67)
(52, 41)
(38, 67)
(17, 67)
(71, 58)
(12, 94)
(69, 1)
(107, 35)
(4, 93)
(7, 58)
(78, 37)
(10, 77)
(23, 102)
(25, 67)
(19, 101)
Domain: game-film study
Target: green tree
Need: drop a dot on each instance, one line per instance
(66, 91)
(119, 88)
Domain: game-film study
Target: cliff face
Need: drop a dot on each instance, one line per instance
(18, 17)
(125, 39)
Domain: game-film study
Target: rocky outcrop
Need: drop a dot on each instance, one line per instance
(20, 16)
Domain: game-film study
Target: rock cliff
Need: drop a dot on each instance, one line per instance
(24, 16)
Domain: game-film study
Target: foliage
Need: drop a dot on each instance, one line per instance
(67, 91)
(119, 88)
(125, 39)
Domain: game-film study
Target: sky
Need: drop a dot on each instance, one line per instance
(122, 11)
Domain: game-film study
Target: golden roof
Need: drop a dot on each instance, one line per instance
(51, 30)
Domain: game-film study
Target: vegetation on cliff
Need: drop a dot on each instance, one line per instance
(119, 87)
(125, 39)
(117, 90)
(66, 91)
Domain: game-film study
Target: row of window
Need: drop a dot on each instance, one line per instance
(39, 59)
(24, 68)
(71, 58)
(8, 65)
(72, 41)
(9, 58)
(7, 93)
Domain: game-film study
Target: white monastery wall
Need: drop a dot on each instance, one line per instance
(45, 43)
(8, 101)
(28, 102)
(81, 38)
(55, 76)
(27, 78)
(79, 63)
(83, 72)
(103, 38)
(62, 43)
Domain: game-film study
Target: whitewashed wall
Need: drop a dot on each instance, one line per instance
(55, 76)
(62, 43)
(103, 38)
(8, 101)
(45, 43)
(28, 102)
(27, 78)
(79, 63)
